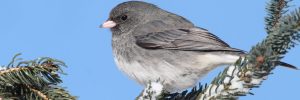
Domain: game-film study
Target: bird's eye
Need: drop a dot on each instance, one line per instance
(124, 17)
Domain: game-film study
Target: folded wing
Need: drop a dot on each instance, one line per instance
(187, 39)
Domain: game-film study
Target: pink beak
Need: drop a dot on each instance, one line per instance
(108, 24)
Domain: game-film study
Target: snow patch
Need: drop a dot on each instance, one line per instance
(152, 91)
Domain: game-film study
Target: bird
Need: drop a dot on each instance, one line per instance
(150, 44)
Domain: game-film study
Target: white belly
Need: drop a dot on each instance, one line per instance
(176, 78)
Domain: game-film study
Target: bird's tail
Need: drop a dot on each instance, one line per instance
(283, 64)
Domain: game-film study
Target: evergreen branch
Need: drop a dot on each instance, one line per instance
(58, 93)
(25, 92)
(33, 80)
(275, 10)
(251, 71)
(238, 79)
(22, 92)
(288, 34)
(38, 93)
(37, 75)
(185, 95)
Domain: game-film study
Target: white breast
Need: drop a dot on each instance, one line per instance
(176, 77)
(173, 76)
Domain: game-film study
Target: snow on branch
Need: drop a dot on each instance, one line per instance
(152, 91)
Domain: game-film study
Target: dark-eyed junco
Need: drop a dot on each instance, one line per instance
(150, 43)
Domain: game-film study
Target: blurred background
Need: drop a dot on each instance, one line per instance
(69, 30)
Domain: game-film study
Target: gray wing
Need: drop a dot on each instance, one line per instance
(187, 39)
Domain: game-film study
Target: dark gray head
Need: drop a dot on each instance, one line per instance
(126, 16)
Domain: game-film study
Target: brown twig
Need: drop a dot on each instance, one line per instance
(39, 93)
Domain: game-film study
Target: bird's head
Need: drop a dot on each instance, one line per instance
(129, 14)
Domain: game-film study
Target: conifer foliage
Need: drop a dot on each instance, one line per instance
(37, 79)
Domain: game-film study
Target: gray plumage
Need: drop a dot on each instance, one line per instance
(150, 44)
